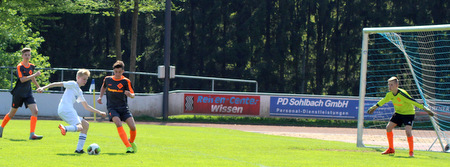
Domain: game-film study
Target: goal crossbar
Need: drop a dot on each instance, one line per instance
(442, 27)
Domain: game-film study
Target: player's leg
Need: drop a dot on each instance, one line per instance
(6, 119)
(390, 136)
(16, 103)
(132, 125)
(408, 130)
(83, 135)
(115, 116)
(84, 126)
(33, 119)
(122, 134)
(71, 117)
(70, 128)
(408, 120)
(9, 116)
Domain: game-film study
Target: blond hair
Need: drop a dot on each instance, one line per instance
(395, 79)
(82, 72)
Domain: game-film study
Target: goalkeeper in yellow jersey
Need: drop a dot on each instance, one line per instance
(404, 114)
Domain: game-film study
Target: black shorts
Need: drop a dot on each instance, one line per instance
(400, 119)
(122, 112)
(17, 101)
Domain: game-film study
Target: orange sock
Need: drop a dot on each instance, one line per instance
(132, 136)
(411, 143)
(5, 120)
(390, 136)
(123, 136)
(33, 121)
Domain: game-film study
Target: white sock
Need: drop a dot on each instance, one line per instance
(81, 141)
(71, 128)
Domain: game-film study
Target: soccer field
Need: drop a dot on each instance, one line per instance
(160, 145)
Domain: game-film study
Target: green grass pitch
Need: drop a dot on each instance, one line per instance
(160, 145)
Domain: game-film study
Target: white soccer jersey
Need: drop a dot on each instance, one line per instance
(71, 95)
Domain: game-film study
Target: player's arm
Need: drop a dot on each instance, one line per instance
(54, 84)
(409, 99)
(129, 94)
(426, 109)
(27, 78)
(130, 91)
(379, 103)
(421, 106)
(35, 83)
(92, 109)
(102, 92)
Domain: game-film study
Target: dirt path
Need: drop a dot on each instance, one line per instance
(323, 133)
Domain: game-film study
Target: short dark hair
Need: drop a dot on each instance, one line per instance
(25, 50)
(119, 64)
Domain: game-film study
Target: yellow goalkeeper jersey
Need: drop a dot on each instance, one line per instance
(403, 102)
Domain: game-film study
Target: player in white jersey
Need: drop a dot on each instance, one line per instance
(66, 111)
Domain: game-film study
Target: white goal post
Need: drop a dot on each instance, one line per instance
(421, 55)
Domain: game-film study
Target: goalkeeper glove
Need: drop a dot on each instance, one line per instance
(372, 109)
(426, 109)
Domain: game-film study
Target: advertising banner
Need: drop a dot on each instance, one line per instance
(334, 108)
(221, 104)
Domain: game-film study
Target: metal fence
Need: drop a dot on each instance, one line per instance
(64, 74)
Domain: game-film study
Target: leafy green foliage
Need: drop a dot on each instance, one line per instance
(15, 33)
(145, 6)
(23, 20)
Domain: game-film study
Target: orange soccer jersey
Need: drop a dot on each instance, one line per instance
(115, 91)
(23, 88)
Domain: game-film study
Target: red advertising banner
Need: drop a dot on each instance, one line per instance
(221, 104)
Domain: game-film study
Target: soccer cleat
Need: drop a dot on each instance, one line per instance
(79, 151)
(130, 150)
(1, 131)
(133, 145)
(389, 151)
(36, 137)
(63, 129)
(411, 154)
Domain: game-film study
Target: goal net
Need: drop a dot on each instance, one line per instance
(420, 57)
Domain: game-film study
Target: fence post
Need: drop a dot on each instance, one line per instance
(12, 79)
(62, 78)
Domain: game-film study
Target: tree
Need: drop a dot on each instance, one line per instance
(134, 32)
(15, 33)
(117, 35)
(119, 7)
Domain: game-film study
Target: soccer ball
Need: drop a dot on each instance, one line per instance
(93, 149)
(447, 148)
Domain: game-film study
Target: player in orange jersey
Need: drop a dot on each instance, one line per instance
(118, 88)
(22, 93)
